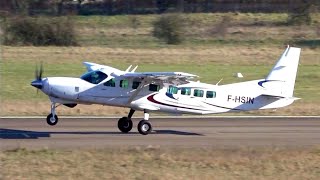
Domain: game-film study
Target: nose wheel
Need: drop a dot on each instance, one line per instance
(52, 118)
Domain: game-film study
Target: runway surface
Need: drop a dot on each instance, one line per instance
(214, 132)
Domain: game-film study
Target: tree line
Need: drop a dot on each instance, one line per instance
(25, 22)
(113, 7)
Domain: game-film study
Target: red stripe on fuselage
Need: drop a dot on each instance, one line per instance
(151, 99)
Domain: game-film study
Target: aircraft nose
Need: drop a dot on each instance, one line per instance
(37, 84)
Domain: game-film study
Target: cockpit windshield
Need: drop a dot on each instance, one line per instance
(94, 77)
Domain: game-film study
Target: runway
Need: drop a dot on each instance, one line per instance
(217, 132)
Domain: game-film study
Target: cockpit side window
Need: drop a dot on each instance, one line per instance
(110, 83)
(94, 77)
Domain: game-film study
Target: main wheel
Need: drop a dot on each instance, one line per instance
(144, 127)
(125, 124)
(52, 120)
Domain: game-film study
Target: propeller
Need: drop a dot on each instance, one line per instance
(38, 77)
(38, 72)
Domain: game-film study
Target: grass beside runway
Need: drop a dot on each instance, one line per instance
(211, 64)
(251, 45)
(161, 163)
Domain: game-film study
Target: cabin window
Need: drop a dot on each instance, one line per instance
(172, 90)
(124, 83)
(94, 77)
(211, 94)
(110, 83)
(154, 87)
(198, 93)
(186, 91)
(135, 84)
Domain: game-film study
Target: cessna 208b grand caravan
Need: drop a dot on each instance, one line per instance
(171, 92)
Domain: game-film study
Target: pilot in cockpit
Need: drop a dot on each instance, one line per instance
(94, 77)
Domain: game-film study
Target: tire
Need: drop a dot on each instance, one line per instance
(52, 121)
(125, 124)
(144, 127)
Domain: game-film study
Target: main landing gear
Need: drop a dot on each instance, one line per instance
(125, 123)
(144, 126)
(52, 118)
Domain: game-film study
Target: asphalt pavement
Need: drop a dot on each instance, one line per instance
(213, 132)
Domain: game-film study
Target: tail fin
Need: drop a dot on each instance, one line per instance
(285, 71)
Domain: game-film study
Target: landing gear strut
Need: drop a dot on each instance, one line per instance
(52, 118)
(125, 123)
(144, 126)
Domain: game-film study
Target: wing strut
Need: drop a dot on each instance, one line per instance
(136, 92)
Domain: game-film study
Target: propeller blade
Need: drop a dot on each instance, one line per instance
(41, 71)
(36, 72)
(38, 77)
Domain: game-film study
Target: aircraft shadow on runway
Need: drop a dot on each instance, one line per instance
(23, 134)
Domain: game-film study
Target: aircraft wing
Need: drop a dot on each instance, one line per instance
(91, 66)
(175, 78)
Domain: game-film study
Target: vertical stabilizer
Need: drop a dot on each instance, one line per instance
(285, 70)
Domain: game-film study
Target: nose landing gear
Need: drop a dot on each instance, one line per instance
(52, 118)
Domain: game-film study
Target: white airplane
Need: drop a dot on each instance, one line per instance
(171, 92)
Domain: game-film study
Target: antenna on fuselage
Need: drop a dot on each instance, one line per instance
(219, 81)
(128, 69)
(134, 69)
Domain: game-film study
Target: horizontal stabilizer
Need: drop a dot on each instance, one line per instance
(280, 96)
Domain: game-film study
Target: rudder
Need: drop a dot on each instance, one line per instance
(285, 70)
